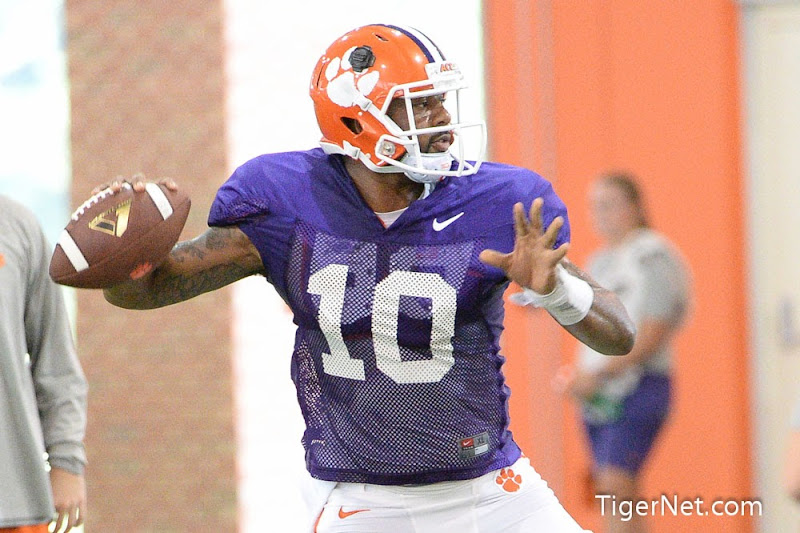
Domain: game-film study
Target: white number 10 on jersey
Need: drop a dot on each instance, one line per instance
(330, 284)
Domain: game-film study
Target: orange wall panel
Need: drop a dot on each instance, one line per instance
(520, 98)
(654, 89)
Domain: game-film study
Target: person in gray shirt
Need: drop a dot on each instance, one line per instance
(625, 400)
(42, 387)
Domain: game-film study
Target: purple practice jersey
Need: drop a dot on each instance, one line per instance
(396, 358)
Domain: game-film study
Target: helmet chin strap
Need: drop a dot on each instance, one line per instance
(432, 162)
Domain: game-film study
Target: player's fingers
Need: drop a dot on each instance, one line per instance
(59, 520)
(520, 223)
(535, 216)
(81, 514)
(169, 183)
(551, 234)
(495, 259)
(560, 252)
(115, 185)
(138, 182)
(73, 516)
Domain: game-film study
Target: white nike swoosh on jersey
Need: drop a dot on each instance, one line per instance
(439, 226)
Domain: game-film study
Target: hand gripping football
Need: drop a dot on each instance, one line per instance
(115, 237)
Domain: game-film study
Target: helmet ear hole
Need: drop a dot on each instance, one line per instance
(352, 125)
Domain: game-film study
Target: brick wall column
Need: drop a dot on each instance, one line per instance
(147, 95)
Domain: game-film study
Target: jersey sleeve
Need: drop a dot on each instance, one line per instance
(243, 197)
(553, 207)
(498, 189)
(531, 186)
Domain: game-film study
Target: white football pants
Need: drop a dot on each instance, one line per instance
(510, 500)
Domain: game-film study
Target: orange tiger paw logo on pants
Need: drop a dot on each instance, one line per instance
(509, 481)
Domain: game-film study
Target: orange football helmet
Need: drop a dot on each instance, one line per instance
(358, 77)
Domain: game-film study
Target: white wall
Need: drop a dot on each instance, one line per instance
(272, 49)
(772, 79)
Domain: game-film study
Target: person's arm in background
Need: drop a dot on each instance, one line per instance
(651, 334)
(791, 463)
(60, 386)
(663, 313)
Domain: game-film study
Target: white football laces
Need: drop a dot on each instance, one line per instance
(93, 200)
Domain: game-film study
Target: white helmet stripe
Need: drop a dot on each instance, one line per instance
(428, 47)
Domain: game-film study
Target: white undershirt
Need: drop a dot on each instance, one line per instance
(389, 218)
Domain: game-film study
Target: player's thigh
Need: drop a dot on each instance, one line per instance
(360, 508)
(518, 500)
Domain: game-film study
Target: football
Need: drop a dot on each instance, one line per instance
(113, 237)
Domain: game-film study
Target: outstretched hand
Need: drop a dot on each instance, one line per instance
(533, 261)
(137, 181)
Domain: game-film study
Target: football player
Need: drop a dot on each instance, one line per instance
(393, 252)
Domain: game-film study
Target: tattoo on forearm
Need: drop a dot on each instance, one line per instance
(187, 249)
(177, 288)
(201, 274)
(221, 238)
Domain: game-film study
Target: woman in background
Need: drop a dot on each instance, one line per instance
(625, 400)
